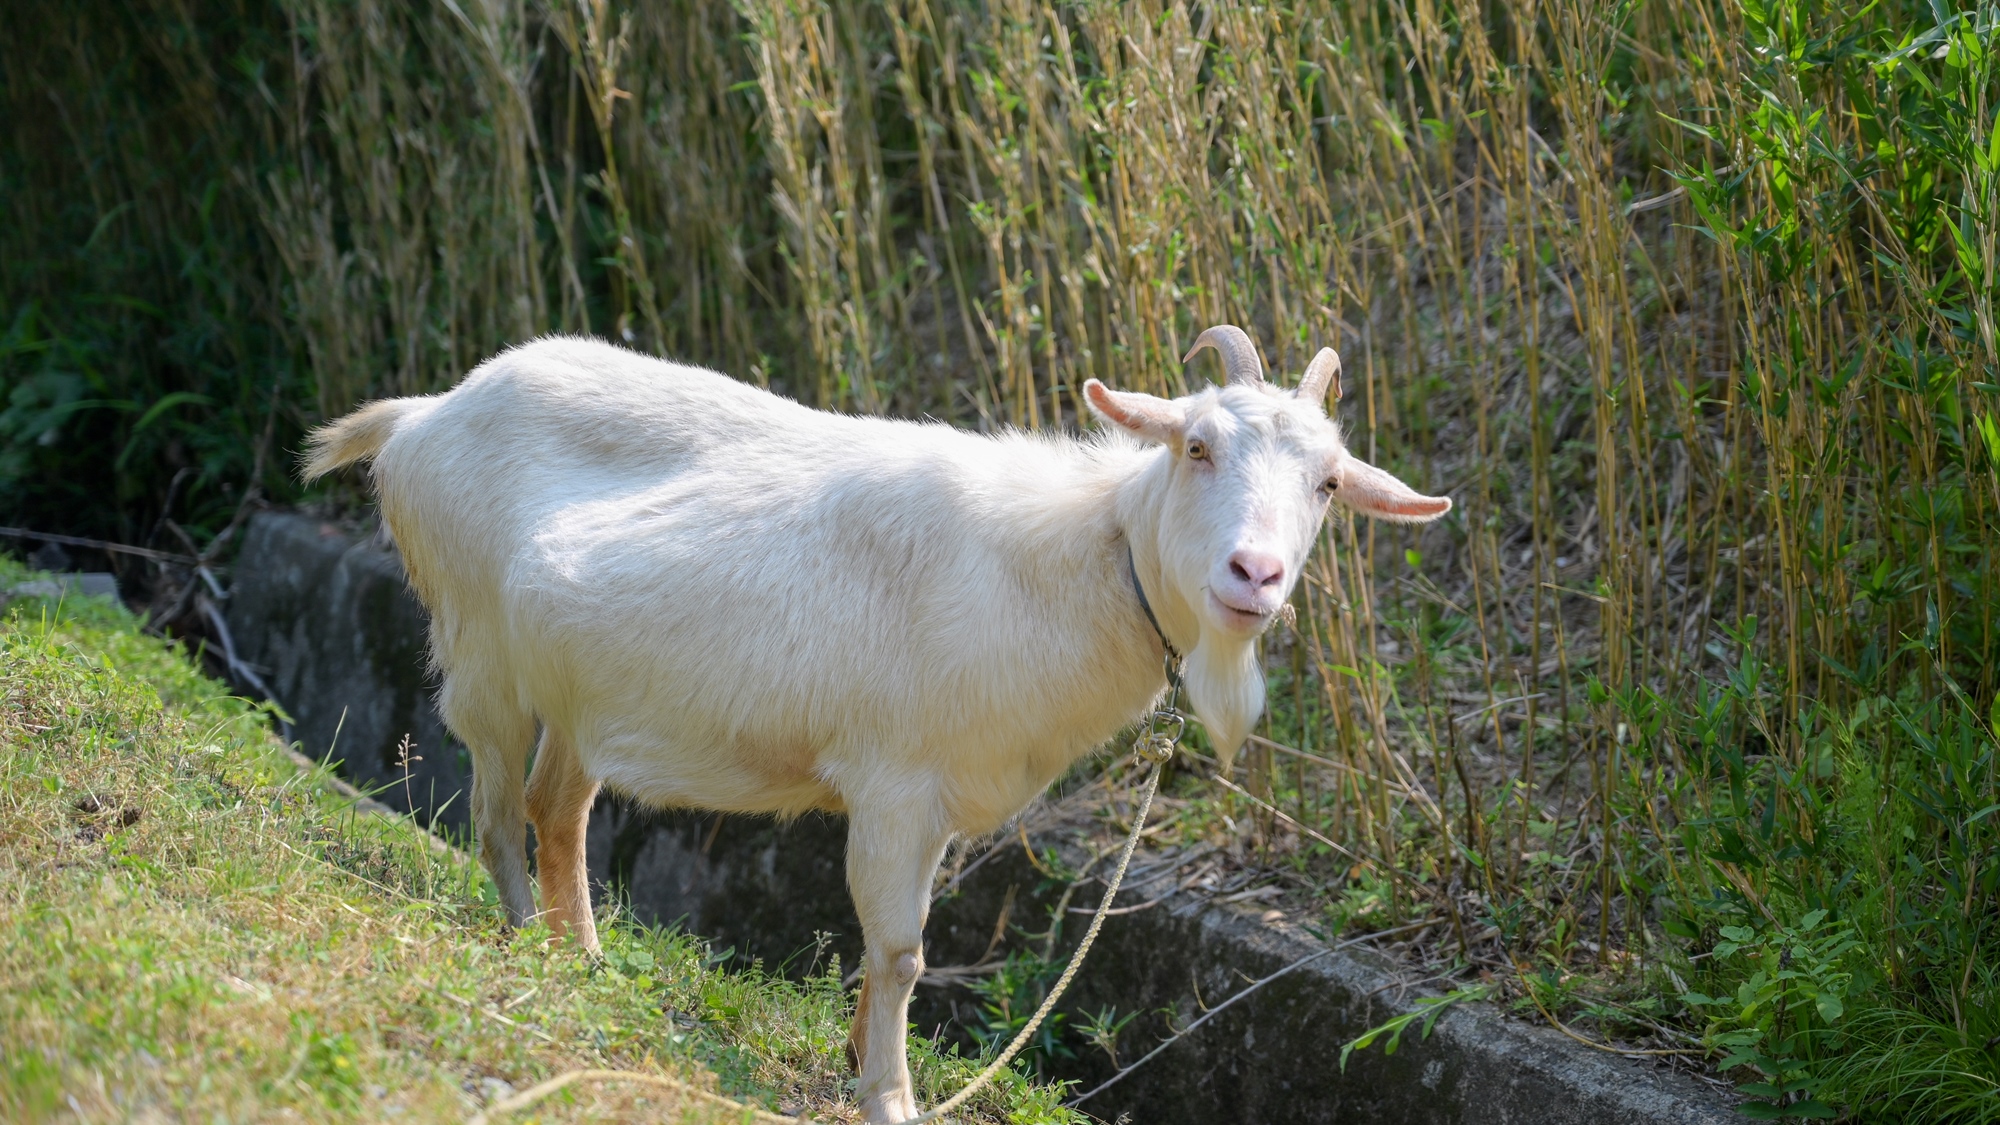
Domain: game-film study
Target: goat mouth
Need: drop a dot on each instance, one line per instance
(1247, 619)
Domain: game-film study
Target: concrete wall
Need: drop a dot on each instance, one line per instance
(341, 639)
(334, 630)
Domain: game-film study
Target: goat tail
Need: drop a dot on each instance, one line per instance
(356, 437)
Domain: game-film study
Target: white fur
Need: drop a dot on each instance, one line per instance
(710, 596)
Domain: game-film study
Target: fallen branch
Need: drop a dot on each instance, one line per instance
(536, 1093)
(1281, 815)
(99, 545)
(986, 965)
(1628, 1052)
(1190, 856)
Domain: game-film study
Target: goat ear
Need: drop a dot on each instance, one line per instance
(1374, 492)
(1155, 419)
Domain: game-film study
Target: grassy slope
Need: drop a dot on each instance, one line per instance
(192, 927)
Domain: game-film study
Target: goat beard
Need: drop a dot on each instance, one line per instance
(1226, 687)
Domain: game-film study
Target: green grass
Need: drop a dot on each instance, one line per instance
(193, 927)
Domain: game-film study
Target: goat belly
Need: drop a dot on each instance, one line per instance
(749, 775)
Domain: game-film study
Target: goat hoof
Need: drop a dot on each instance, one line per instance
(889, 1108)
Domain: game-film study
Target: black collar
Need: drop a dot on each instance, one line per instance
(1131, 568)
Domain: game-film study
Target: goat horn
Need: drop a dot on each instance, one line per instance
(1239, 355)
(1323, 372)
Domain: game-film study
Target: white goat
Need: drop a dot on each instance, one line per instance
(710, 596)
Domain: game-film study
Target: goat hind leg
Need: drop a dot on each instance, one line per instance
(499, 736)
(559, 799)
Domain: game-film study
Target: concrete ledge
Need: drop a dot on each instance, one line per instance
(71, 584)
(341, 642)
(1274, 1057)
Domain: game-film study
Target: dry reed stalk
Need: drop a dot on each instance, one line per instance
(830, 189)
(596, 55)
(410, 247)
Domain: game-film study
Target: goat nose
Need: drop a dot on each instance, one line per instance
(1256, 569)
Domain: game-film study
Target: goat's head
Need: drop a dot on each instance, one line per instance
(1238, 500)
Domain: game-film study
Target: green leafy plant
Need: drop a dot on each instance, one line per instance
(1426, 1013)
(1008, 998)
(1102, 1029)
(1780, 1019)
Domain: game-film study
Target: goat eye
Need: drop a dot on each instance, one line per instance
(1331, 484)
(1197, 451)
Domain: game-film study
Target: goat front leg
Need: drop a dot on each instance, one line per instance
(893, 854)
(559, 799)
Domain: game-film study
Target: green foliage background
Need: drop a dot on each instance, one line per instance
(1688, 303)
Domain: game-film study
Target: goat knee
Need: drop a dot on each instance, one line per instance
(907, 967)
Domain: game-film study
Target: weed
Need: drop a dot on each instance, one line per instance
(1777, 1021)
(1426, 1013)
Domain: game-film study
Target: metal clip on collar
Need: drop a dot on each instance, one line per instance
(1155, 748)
(1156, 745)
